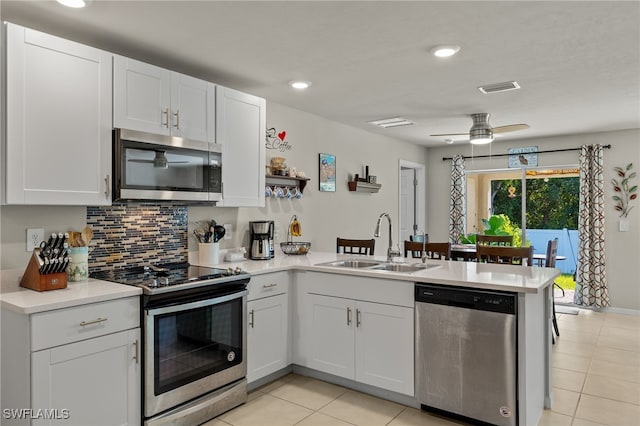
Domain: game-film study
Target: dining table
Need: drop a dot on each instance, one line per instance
(467, 252)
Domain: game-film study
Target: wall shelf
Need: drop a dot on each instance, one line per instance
(286, 181)
(364, 186)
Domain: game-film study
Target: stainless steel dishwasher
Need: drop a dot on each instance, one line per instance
(465, 361)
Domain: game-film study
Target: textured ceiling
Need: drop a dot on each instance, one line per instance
(578, 62)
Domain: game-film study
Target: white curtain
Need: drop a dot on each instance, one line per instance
(457, 206)
(591, 279)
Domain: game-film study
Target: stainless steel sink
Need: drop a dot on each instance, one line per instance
(352, 263)
(402, 267)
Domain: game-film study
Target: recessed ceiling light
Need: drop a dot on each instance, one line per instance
(299, 84)
(445, 51)
(76, 4)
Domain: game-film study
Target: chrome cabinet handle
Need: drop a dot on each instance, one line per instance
(95, 321)
(251, 318)
(177, 114)
(348, 316)
(358, 317)
(135, 356)
(107, 187)
(166, 117)
(269, 285)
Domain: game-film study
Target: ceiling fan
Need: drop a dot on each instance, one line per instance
(481, 131)
(159, 161)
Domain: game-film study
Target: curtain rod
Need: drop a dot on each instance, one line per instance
(537, 152)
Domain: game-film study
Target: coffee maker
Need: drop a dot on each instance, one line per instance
(261, 239)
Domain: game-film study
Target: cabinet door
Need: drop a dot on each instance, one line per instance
(96, 380)
(59, 123)
(192, 108)
(384, 346)
(330, 339)
(240, 129)
(267, 336)
(141, 96)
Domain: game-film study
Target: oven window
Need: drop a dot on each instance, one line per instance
(193, 344)
(154, 167)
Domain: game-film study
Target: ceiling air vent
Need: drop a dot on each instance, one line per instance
(499, 87)
(391, 122)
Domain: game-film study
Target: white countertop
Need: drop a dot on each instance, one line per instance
(468, 274)
(448, 272)
(27, 301)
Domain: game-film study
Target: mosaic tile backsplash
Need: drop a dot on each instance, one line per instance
(131, 235)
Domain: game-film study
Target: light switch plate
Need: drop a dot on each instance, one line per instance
(34, 237)
(623, 225)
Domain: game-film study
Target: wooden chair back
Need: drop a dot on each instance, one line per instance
(366, 247)
(552, 252)
(494, 240)
(433, 250)
(506, 255)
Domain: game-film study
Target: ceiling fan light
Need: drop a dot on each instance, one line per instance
(481, 140)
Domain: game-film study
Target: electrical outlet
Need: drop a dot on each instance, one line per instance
(227, 231)
(34, 237)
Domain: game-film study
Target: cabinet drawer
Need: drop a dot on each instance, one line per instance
(68, 325)
(268, 285)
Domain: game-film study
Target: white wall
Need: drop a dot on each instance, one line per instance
(622, 248)
(325, 215)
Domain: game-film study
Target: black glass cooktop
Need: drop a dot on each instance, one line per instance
(166, 275)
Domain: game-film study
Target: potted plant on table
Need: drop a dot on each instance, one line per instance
(497, 224)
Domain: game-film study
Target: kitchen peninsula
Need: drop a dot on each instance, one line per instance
(286, 299)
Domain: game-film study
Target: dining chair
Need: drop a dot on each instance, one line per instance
(366, 247)
(505, 255)
(494, 240)
(432, 250)
(550, 262)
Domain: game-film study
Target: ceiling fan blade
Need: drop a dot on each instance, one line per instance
(451, 134)
(133, 160)
(178, 162)
(510, 128)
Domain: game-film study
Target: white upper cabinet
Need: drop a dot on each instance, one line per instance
(59, 122)
(240, 129)
(155, 100)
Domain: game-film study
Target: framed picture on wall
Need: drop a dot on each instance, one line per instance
(327, 167)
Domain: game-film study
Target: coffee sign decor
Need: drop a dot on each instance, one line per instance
(276, 140)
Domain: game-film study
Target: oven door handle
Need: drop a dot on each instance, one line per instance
(198, 304)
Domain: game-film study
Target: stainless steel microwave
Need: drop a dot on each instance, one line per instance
(154, 167)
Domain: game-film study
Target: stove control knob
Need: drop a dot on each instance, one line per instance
(229, 271)
(153, 283)
(164, 281)
(238, 270)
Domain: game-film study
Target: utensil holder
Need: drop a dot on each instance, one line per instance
(78, 269)
(209, 253)
(34, 280)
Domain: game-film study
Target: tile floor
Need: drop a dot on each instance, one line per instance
(596, 380)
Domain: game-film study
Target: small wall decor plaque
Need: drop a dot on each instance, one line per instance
(275, 140)
(523, 157)
(327, 166)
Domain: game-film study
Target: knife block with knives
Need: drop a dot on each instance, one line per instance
(47, 266)
(37, 278)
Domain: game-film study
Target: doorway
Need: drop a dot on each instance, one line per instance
(411, 200)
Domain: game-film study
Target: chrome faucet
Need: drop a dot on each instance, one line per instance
(391, 252)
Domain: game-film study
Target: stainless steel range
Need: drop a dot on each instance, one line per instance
(194, 328)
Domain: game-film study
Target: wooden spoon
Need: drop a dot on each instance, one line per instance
(87, 235)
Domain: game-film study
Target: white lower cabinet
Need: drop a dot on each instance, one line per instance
(268, 332)
(370, 343)
(91, 382)
(362, 340)
(79, 365)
